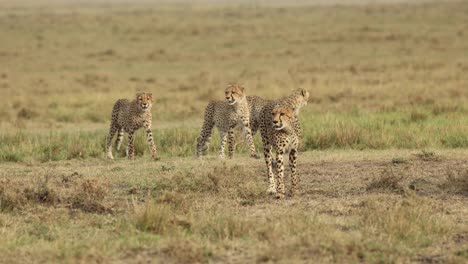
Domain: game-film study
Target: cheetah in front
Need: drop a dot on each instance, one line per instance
(280, 129)
(129, 116)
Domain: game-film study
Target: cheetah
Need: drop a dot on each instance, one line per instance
(226, 115)
(129, 116)
(256, 105)
(280, 129)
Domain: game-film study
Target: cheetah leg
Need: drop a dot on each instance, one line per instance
(203, 140)
(223, 136)
(118, 142)
(112, 131)
(150, 141)
(280, 174)
(249, 138)
(254, 128)
(271, 176)
(294, 178)
(131, 146)
(231, 143)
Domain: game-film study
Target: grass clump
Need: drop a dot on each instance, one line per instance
(399, 160)
(27, 114)
(154, 218)
(427, 155)
(186, 251)
(42, 192)
(11, 197)
(223, 225)
(89, 196)
(387, 181)
(456, 182)
(412, 222)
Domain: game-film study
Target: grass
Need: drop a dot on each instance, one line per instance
(220, 212)
(321, 132)
(382, 161)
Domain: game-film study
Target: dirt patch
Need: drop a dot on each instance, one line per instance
(425, 177)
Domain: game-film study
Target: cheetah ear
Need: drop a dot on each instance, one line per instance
(150, 96)
(305, 94)
(138, 94)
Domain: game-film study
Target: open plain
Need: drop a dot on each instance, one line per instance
(383, 162)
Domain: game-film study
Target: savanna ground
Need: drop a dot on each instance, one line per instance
(384, 161)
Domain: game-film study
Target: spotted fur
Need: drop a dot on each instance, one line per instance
(256, 105)
(280, 129)
(226, 115)
(129, 116)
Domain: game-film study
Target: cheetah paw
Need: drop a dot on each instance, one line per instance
(271, 190)
(279, 196)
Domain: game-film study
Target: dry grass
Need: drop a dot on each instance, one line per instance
(351, 208)
(383, 179)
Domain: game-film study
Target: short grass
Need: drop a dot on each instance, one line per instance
(353, 207)
(383, 161)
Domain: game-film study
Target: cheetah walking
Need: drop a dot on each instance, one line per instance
(256, 105)
(281, 130)
(129, 116)
(226, 115)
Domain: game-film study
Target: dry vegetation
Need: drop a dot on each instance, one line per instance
(384, 162)
(353, 207)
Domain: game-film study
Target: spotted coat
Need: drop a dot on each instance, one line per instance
(129, 116)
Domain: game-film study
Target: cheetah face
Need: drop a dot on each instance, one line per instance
(144, 101)
(234, 93)
(282, 117)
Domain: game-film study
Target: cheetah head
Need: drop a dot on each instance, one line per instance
(144, 101)
(282, 117)
(301, 97)
(234, 93)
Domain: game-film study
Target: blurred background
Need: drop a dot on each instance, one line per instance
(382, 74)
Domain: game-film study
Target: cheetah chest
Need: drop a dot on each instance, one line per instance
(134, 122)
(285, 141)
